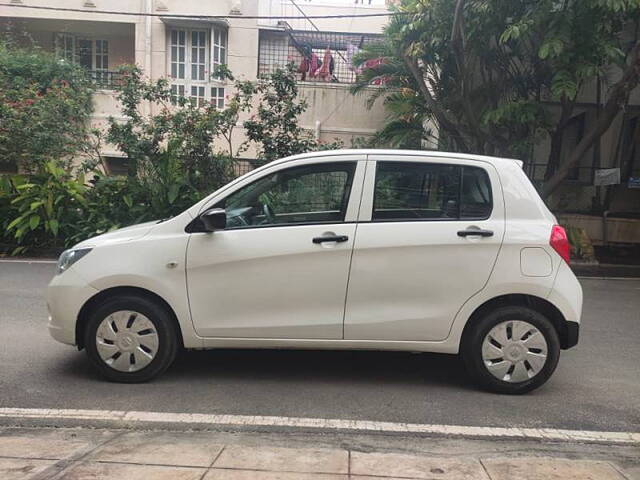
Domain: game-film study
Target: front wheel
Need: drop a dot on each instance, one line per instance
(130, 339)
(511, 350)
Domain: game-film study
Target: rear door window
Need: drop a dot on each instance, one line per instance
(406, 191)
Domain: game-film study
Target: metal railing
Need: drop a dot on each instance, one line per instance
(105, 79)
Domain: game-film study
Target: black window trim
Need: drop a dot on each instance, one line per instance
(412, 220)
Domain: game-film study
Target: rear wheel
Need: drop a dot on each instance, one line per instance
(511, 350)
(130, 339)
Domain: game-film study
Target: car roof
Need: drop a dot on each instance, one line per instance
(496, 161)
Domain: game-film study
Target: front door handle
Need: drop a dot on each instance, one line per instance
(475, 231)
(330, 238)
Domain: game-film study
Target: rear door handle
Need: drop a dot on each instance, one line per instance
(475, 231)
(331, 238)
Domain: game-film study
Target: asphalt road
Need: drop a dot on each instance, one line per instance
(596, 385)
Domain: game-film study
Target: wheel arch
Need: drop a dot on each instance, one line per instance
(533, 302)
(101, 296)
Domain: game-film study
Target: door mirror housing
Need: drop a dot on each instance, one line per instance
(214, 219)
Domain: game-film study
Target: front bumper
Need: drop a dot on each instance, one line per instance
(66, 294)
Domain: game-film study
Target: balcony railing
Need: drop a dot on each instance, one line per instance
(319, 56)
(105, 79)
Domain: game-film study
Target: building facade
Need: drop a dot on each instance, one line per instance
(167, 38)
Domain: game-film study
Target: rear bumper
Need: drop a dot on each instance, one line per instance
(572, 336)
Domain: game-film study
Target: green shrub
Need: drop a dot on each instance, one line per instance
(48, 206)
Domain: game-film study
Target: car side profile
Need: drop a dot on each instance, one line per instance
(349, 249)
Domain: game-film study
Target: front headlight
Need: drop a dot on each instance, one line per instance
(69, 257)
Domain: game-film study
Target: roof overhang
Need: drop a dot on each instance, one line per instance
(194, 22)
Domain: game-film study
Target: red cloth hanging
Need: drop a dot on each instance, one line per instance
(314, 65)
(374, 62)
(325, 71)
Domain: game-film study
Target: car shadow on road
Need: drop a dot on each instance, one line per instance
(362, 367)
(296, 367)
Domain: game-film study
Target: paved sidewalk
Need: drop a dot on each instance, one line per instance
(75, 454)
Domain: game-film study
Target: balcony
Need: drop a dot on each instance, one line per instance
(99, 47)
(320, 57)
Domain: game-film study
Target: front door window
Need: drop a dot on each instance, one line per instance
(302, 195)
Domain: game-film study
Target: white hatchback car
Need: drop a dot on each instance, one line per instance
(349, 249)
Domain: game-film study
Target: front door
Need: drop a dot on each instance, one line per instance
(419, 253)
(280, 268)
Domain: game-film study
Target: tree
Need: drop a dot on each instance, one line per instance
(171, 154)
(275, 124)
(484, 69)
(175, 154)
(45, 105)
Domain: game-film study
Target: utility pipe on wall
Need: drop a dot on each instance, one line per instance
(148, 8)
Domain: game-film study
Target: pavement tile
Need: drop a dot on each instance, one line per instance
(120, 471)
(180, 449)
(19, 468)
(223, 474)
(48, 443)
(284, 459)
(416, 466)
(548, 468)
(632, 473)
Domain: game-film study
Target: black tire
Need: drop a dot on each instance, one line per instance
(163, 323)
(471, 349)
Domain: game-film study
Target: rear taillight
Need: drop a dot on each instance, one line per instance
(560, 242)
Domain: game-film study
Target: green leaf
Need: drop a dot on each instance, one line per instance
(172, 194)
(15, 222)
(18, 250)
(53, 225)
(34, 222)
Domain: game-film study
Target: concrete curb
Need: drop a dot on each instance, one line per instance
(135, 419)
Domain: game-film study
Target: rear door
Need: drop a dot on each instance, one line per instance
(428, 235)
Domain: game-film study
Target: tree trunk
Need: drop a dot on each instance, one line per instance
(618, 96)
(553, 162)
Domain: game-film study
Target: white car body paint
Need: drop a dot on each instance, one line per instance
(392, 286)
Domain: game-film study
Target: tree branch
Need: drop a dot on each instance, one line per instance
(440, 115)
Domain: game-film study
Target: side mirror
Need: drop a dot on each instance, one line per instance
(214, 219)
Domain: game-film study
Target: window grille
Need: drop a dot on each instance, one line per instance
(317, 56)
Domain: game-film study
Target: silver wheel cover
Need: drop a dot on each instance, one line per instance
(514, 351)
(127, 341)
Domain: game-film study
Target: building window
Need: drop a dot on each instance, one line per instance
(176, 91)
(198, 55)
(65, 47)
(192, 64)
(178, 53)
(92, 54)
(197, 96)
(219, 47)
(217, 97)
(117, 166)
